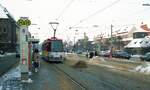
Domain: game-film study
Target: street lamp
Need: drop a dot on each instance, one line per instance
(75, 39)
(75, 35)
(111, 46)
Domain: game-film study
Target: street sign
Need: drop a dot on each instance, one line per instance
(24, 22)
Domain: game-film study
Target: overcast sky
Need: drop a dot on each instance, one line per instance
(78, 13)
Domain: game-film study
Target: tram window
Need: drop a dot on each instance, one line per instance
(49, 47)
(57, 46)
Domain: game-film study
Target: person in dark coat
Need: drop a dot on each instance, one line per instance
(96, 53)
(91, 55)
(87, 55)
(36, 60)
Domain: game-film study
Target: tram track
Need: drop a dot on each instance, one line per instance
(81, 86)
(85, 86)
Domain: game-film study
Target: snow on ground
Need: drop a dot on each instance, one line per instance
(116, 64)
(7, 54)
(1, 55)
(10, 53)
(13, 74)
(144, 68)
(99, 62)
(96, 59)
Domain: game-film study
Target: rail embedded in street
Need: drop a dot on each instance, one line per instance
(72, 79)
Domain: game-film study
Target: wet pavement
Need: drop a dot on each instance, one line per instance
(57, 76)
(49, 78)
(7, 62)
(11, 80)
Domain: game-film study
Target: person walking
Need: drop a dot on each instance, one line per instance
(91, 54)
(36, 60)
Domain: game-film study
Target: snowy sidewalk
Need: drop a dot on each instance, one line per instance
(11, 80)
(144, 68)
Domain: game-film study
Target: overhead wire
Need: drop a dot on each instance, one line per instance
(101, 10)
(65, 8)
(138, 12)
(106, 8)
(97, 12)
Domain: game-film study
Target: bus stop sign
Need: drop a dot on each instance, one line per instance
(24, 22)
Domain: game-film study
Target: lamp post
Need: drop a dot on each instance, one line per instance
(111, 46)
(75, 39)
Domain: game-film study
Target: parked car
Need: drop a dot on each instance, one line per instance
(105, 53)
(79, 52)
(102, 53)
(146, 57)
(121, 54)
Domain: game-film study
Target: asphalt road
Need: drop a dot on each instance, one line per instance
(7, 62)
(50, 78)
(91, 78)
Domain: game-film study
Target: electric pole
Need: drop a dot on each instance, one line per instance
(111, 30)
(75, 39)
(111, 46)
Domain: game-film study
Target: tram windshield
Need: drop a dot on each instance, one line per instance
(57, 46)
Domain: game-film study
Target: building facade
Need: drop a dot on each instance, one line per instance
(122, 37)
(8, 31)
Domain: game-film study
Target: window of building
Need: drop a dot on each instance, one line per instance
(4, 30)
(139, 35)
(0, 29)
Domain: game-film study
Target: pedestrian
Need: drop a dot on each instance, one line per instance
(96, 53)
(91, 55)
(87, 55)
(110, 54)
(36, 61)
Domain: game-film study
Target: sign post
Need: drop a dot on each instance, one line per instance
(24, 22)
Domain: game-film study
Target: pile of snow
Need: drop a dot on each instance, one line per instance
(80, 64)
(145, 68)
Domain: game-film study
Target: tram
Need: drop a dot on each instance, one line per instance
(52, 50)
